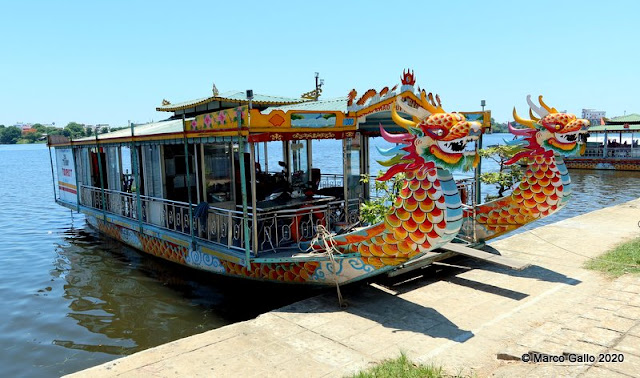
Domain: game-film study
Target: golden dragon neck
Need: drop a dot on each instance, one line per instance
(426, 214)
(544, 189)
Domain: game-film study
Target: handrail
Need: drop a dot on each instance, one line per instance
(284, 228)
(612, 152)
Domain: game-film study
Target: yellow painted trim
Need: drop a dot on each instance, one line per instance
(273, 129)
(213, 133)
(67, 185)
(175, 241)
(222, 256)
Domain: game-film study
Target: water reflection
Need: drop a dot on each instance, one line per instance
(130, 301)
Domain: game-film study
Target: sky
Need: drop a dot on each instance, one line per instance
(112, 61)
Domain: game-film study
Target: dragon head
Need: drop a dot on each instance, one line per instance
(549, 133)
(434, 137)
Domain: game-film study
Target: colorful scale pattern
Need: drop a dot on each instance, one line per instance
(163, 249)
(422, 217)
(109, 229)
(544, 189)
(157, 247)
(287, 272)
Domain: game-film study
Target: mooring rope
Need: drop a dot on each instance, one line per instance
(323, 236)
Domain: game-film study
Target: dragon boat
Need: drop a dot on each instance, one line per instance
(270, 188)
(545, 186)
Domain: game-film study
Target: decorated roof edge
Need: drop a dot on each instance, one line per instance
(226, 97)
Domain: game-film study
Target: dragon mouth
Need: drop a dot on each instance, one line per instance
(566, 141)
(456, 146)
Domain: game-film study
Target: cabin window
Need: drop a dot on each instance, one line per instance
(82, 165)
(273, 157)
(352, 166)
(127, 179)
(151, 157)
(98, 165)
(299, 163)
(175, 177)
(113, 168)
(217, 173)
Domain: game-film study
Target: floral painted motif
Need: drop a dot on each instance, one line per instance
(223, 120)
(221, 117)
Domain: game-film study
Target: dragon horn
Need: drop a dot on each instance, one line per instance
(539, 111)
(425, 104)
(550, 110)
(405, 123)
(532, 116)
(526, 122)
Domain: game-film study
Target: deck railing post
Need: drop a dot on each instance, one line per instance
(478, 171)
(243, 189)
(53, 178)
(186, 160)
(254, 213)
(103, 205)
(345, 180)
(136, 174)
(75, 170)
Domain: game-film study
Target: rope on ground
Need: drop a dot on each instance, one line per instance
(324, 240)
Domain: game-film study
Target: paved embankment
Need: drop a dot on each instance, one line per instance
(462, 319)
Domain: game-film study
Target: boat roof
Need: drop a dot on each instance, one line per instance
(275, 118)
(233, 96)
(148, 129)
(615, 128)
(627, 123)
(338, 104)
(629, 118)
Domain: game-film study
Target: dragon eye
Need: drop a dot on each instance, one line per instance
(437, 132)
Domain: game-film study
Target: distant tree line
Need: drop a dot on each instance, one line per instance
(13, 134)
(499, 127)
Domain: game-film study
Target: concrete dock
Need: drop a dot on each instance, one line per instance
(470, 317)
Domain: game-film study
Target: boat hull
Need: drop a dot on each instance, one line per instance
(604, 164)
(317, 270)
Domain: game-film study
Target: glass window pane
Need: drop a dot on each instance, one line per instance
(217, 170)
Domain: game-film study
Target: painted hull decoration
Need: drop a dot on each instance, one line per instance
(239, 221)
(546, 186)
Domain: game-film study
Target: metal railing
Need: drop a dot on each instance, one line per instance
(276, 229)
(291, 227)
(330, 180)
(612, 152)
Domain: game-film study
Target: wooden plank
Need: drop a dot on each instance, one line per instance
(420, 262)
(486, 256)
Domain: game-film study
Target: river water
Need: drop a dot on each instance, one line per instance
(73, 299)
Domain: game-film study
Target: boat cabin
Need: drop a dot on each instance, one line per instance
(239, 174)
(612, 146)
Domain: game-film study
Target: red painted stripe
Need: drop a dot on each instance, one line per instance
(65, 189)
